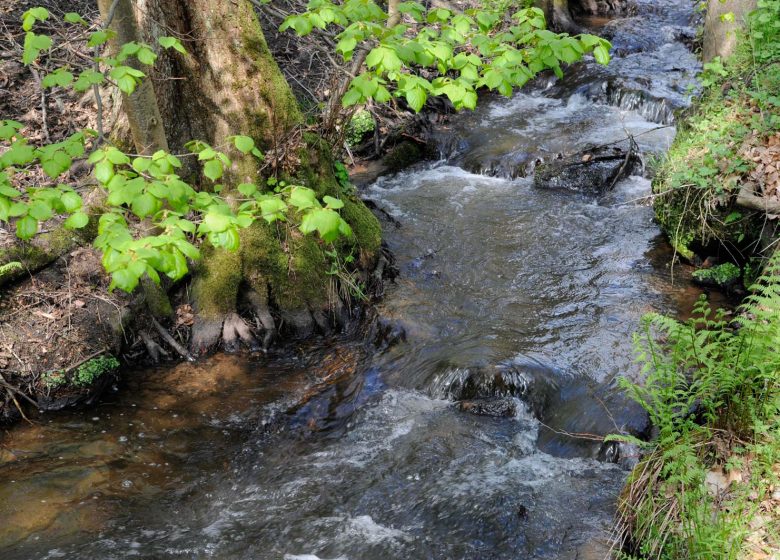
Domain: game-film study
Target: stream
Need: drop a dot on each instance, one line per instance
(510, 297)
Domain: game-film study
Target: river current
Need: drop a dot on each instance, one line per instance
(352, 450)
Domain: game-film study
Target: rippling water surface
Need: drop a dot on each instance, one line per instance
(342, 450)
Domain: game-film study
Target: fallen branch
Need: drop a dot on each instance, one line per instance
(747, 199)
(172, 341)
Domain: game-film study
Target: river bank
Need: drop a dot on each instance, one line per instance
(708, 484)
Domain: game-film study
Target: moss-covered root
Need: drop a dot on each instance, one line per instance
(275, 269)
(214, 294)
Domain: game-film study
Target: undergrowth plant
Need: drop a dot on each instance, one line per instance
(712, 390)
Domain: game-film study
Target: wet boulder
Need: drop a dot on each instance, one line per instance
(592, 171)
(497, 407)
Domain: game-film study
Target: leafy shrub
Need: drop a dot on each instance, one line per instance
(361, 123)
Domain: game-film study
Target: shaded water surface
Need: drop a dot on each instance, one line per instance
(341, 449)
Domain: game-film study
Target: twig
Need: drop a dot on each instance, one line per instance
(44, 112)
(88, 358)
(172, 341)
(18, 391)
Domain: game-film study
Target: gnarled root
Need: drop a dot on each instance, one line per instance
(265, 320)
(155, 350)
(235, 331)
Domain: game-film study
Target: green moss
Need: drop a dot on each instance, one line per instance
(215, 289)
(697, 182)
(402, 156)
(720, 275)
(365, 226)
(89, 372)
(297, 275)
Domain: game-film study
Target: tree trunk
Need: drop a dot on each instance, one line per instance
(227, 84)
(141, 109)
(559, 16)
(720, 36)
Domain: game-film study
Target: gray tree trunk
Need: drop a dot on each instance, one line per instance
(720, 37)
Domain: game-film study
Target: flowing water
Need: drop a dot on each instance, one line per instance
(348, 449)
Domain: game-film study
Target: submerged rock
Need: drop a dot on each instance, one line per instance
(592, 171)
(489, 407)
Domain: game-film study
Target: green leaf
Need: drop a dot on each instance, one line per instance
(601, 54)
(77, 220)
(73, 17)
(332, 203)
(26, 227)
(141, 164)
(56, 163)
(59, 77)
(303, 198)
(146, 56)
(244, 144)
(104, 171)
(144, 205)
(7, 190)
(171, 43)
(272, 209)
(216, 223)
(125, 279)
(33, 45)
(32, 15)
(213, 169)
(247, 189)
(40, 210)
(87, 79)
(98, 38)
(9, 129)
(416, 98)
(116, 157)
(326, 222)
(71, 201)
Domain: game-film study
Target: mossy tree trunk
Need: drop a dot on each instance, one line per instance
(228, 83)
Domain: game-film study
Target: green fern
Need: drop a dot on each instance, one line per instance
(8, 267)
(711, 377)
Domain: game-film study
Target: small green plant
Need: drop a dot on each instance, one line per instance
(349, 282)
(8, 267)
(719, 275)
(88, 372)
(361, 123)
(54, 379)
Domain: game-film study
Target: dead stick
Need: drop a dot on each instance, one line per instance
(172, 341)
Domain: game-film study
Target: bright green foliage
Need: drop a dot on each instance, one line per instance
(361, 123)
(492, 47)
(708, 378)
(8, 267)
(721, 274)
(89, 372)
(144, 189)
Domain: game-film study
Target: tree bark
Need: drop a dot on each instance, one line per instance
(720, 37)
(559, 16)
(228, 83)
(141, 108)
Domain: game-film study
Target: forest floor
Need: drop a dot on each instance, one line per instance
(58, 318)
